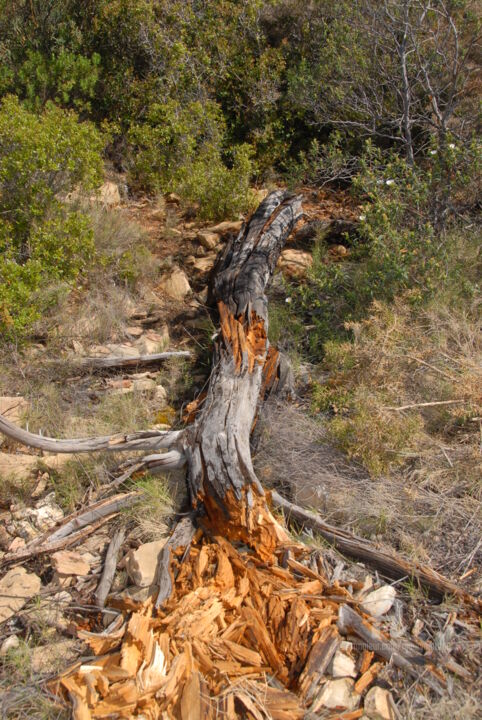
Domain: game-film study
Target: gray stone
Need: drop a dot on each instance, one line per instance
(141, 564)
(176, 285)
(379, 601)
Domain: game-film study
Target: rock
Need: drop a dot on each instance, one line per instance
(379, 704)
(17, 466)
(5, 538)
(13, 408)
(260, 194)
(98, 351)
(40, 487)
(16, 588)
(122, 350)
(227, 226)
(160, 394)
(17, 544)
(295, 263)
(10, 643)
(208, 240)
(158, 215)
(174, 233)
(46, 513)
(141, 564)
(109, 194)
(153, 342)
(379, 601)
(203, 264)
(340, 250)
(134, 331)
(21, 466)
(176, 284)
(24, 530)
(49, 611)
(52, 658)
(342, 665)
(338, 694)
(144, 385)
(69, 562)
(172, 198)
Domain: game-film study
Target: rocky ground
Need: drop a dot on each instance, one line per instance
(47, 598)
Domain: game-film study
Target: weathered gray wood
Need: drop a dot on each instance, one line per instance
(110, 565)
(108, 363)
(350, 621)
(144, 440)
(181, 537)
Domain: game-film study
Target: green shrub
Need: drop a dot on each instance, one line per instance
(180, 149)
(220, 191)
(66, 78)
(42, 240)
(400, 246)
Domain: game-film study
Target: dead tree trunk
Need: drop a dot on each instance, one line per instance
(220, 471)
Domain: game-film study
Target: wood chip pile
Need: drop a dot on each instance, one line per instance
(238, 638)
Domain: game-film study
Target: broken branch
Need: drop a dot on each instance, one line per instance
(143, 440)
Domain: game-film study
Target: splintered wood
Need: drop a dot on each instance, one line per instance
(240, 637)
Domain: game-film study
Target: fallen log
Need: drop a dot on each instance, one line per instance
(221, 477)
(111, 362)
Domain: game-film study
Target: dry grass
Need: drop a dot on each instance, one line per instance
(421, 519)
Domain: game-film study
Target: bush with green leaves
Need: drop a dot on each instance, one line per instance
(400, 245)
(42, 239)
(180, 149)
(66, 78)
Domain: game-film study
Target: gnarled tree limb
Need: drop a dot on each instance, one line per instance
(143, 440)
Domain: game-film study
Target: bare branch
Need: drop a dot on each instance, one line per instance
(143, 440)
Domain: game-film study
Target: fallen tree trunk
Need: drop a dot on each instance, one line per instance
(221, 478)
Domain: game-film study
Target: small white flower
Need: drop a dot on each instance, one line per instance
(379, 182)
(452, 146)
(389, 182)
(362, 217)
(288, 300)
(433, 152)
